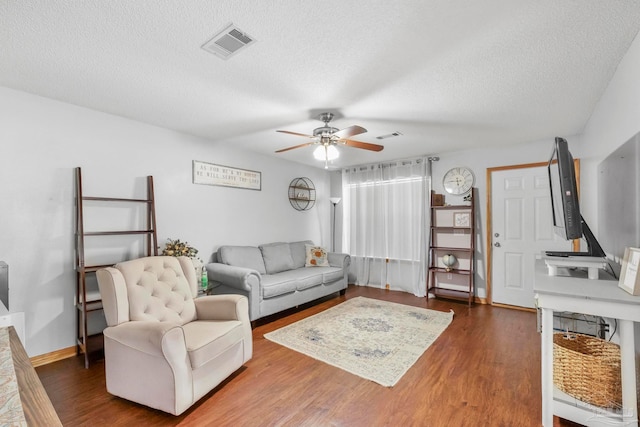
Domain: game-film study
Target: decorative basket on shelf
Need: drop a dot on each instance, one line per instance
(588, 369)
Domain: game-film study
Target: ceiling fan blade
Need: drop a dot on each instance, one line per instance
(295, 146)
(350, 131)
(295, 133)
(365, 145)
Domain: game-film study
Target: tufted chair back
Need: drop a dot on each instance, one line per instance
(159, 289)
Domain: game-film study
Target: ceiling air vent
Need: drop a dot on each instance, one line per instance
(391, 135)
(228, 42)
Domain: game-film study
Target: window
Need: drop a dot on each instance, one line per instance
(385, 219)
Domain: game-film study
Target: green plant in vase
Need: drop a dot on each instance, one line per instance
(175, 247)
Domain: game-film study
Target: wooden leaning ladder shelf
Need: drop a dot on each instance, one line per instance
(452, 233)
(83, 304)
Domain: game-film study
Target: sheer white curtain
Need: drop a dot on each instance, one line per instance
(386, 223)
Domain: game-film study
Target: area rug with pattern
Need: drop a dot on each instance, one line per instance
(377, 340)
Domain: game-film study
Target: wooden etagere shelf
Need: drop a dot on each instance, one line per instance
(302, 194)
(86, 303)
(452, 251)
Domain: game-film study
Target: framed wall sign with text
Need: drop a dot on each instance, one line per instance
(226, 176)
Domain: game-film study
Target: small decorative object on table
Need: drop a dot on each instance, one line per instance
(204, 281)
(178, 248)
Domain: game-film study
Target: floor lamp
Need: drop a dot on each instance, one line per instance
(334, 201)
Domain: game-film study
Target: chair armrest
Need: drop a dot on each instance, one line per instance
(236, 277)
(222, 307)
(146, 336)
(228, 307)
(339, 259)
(113, 291)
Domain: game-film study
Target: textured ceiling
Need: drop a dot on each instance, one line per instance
(447, 74)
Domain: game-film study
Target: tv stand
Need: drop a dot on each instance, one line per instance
(598, 298)
(568, 254)
(592, 264)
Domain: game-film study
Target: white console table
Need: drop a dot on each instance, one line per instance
(571, 290)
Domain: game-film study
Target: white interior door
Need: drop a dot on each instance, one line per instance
(521, 229)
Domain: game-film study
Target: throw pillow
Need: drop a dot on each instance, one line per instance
(316, 256)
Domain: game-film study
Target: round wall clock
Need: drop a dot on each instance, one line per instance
(458, 181)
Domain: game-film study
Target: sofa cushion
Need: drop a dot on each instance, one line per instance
(299, 253)
(316, 256)
(304, 278)
(277, 257)
(274, 285)
(332, 274)
(314, 278)
(242, 256)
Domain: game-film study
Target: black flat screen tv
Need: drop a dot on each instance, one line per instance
(568, 223)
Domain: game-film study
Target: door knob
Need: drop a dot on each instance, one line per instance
(497, 244)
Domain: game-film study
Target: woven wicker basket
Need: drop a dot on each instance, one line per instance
(588, 368)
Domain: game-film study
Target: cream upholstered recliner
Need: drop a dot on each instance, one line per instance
(163, 347)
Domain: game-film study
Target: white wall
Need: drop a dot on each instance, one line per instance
(44, 140)
(614, 121)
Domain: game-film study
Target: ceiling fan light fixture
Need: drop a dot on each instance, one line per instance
(318, 153)
(332, 152)
(326, 153)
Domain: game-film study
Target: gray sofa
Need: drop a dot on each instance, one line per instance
(274, 277)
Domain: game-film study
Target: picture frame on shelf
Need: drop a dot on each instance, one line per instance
(437, 199)
(629, 277)
(462, 219)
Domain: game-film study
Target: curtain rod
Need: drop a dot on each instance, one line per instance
(402, 162)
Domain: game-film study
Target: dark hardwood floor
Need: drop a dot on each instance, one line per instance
(484, 370)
